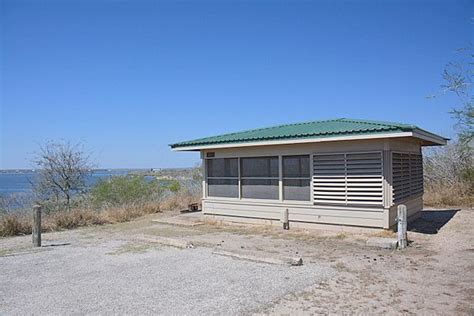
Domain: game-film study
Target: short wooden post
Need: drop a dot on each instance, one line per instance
(36, 229)
(402, 226)
(284, 219)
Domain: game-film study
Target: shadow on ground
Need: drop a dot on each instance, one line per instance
(430, 222)
(57, 245)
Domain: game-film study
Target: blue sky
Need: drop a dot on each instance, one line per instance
(128, 78)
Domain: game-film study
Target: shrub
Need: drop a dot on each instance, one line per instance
(123, 190)
(119, 199)
(174, 186)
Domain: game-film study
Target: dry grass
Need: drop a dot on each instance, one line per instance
(73, 219)
(129, 212)
(386, 233)
(179, 201)
(448, 196)
(14, 224)
(341, 236)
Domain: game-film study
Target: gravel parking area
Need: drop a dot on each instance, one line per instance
(121, 269)
(121, 276)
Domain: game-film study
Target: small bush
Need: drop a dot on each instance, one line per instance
(174, 186)
(123, 190)
(11, 225)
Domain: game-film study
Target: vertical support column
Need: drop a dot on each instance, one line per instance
(387, 178)
(280, 177)
(402, 226)
(204, 175)
(387, 188)
(36, 229)
(345, 177)
(239, 182)
(311, 175)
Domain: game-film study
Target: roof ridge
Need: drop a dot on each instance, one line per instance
(381, 123)
(272, 127)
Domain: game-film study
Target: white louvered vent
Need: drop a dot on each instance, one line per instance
(407, 177)
(348, 178)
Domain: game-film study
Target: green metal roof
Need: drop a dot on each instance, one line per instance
(315, 129)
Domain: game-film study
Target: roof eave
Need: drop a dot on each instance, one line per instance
(295, 141)
(430, 138)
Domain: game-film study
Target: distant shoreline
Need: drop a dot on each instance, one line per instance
(19, 171)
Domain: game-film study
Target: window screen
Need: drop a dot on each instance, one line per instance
(223, 187)
(259, 177)
(222, 167)
(222, 177)
(262, 167)
(296, 178)
(260, 188)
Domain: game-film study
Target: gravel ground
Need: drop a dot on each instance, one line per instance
(120, 276)
(110, 269)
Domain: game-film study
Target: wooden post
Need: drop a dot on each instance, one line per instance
(36, 230)
(284, 219)
(402, 226)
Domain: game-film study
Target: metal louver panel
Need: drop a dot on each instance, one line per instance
(407, 169)
(348, 178)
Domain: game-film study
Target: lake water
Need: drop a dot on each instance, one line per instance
(13, 182)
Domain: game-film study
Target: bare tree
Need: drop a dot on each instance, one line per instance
(448, 166)
(449, 171)
(63, 168)
(458, 80)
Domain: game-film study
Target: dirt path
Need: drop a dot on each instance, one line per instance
(435, 275)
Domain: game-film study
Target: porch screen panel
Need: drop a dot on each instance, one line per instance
(222, 177)
(259, 177)
(407, 169)
(348, 179)
(296, 178)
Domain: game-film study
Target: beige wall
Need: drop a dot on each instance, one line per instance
(381, 216)
(341, 215)
(307, 148)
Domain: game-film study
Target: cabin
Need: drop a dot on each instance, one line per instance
(338, 172)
